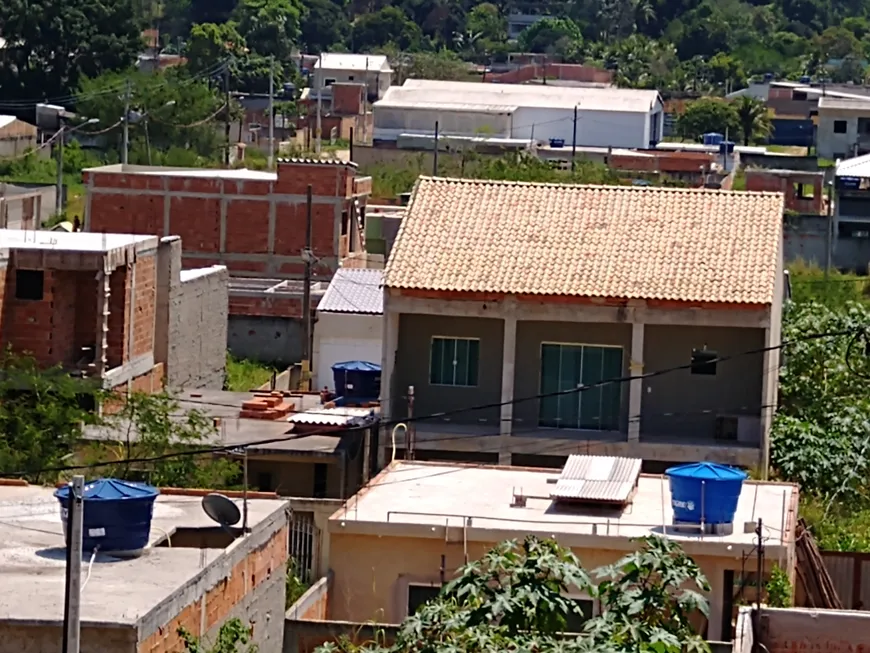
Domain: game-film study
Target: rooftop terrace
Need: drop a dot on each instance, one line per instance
(32, 559)
(419, 499)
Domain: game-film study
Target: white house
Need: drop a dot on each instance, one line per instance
(372, 69)
(349, 322)
(597, 117)
(843, 127)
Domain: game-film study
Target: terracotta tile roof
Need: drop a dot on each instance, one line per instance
(617, 242)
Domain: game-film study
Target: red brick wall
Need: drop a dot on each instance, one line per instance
(119, 299)
(760, 180)
(195, 212)
(146, 301)
(348, 99)
(45, 329)
(86, 310)
(268, 306)
(219, 601)
(568, 72)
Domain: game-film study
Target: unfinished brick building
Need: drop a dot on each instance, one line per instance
(252, 222)
(98, 305)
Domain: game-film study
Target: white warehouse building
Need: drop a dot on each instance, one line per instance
(605, 117)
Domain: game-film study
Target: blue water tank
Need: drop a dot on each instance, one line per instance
(726, 147)
(557, 142)
(712, 138)
(357, 380)
(805, 79)
(705, 492)
(117, 515)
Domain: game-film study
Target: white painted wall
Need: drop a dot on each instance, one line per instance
(340, 337)
(594, 128)
(831, 145)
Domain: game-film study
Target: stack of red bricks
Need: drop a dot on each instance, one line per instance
(267, 405)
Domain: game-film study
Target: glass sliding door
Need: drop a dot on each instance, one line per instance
(564, 369)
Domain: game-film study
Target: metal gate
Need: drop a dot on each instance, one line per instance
(304, 545)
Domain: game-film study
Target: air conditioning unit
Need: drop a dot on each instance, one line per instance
(745, 429)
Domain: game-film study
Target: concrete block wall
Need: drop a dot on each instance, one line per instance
(191, 320)
(255, 227)
(198, 331)
(252, 589)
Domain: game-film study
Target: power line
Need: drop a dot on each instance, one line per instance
(387, 424)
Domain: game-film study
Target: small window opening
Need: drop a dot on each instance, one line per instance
(320, 472)
(29, 284)
(704, 362)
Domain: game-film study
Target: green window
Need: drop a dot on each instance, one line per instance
(454, 361)
(565, 367)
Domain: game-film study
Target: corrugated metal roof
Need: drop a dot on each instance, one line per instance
(354, 290)
(858, 166)
(427, 91)
(338, 416)
(606, 479)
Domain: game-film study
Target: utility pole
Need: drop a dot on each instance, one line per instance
(307, 255)
(829, 231)
(574, 140)
(125, 146)
(319, 81)
(435, 154)
(271, 160)
(410, 454)
(58, 193)
(227, 113)
(72, 603)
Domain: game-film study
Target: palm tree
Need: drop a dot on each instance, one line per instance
(754, 118)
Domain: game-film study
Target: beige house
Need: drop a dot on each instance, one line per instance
(517, 313)
(843, 127)
(395, 542)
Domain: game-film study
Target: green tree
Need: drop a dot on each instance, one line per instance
(838, 43)
(324, 26)
(177, 108)
(821, 432)
(514, 599)
(390, 25)
(153, 425)
(708, 115)
(210, 44)
(443, 64)
(234, 636)
(270, 27)
(52, 44)
(552, 36)
(41, 416)
(648, 599)
(486, 20)
(754, 119)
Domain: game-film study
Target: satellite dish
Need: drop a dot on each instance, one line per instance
(220, 509)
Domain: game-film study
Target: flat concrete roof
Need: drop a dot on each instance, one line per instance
(32, 560)
(241, 174)
(234, 431)
(79, 241)
(196, 273)
(419, 499)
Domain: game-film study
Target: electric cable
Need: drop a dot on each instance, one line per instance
(406, 420)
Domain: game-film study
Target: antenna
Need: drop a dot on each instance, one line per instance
(221, 510)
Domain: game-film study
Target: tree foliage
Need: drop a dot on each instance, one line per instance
(515, 599)
(41, 416)
(51, 44)
(175, 106)
(154, 426)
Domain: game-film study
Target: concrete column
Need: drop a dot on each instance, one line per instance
(635, 389)
(388, 365)
(769, 384)
(508, 371)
